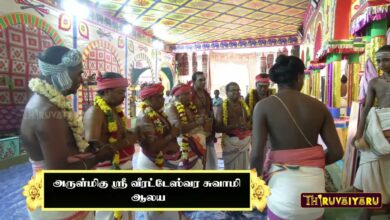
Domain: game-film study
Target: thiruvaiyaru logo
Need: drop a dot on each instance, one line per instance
(332, 200)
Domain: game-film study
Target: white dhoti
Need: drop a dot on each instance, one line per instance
(145, 163)
(236, 152)
(286, 188)
(373, 174)
(126, 164)
(211, 156)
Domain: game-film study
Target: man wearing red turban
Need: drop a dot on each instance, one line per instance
(98, 120)
(183, 114)
(159, 145)
(149, 90)
(262, 91)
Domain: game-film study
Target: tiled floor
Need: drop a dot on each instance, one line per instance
(12, 202)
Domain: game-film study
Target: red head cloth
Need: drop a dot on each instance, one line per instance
(262, 80)
(181, 89)
(150, 90)
(110, 83)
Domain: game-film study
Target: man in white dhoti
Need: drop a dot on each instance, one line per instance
(183, 114)
(159, 145)
(98, 120)
(295, 163)
(234, 123)
(202, 100)
(55, 142)
(373, 133)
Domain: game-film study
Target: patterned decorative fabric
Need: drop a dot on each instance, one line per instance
(263, 63)
(11, 118)
(99, 60)
(205, 62)
(182, 61)
(194, 62)
(19, 47)
(270, 60)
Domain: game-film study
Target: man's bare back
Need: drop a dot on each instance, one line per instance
(310, 114)
(44, 128)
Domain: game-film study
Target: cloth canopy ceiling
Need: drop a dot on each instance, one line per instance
(186, 21)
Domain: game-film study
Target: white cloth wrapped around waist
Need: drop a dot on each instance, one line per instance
(236, 152)
(286, 188)
(378, 120)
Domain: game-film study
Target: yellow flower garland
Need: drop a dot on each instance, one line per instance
(113, 130)
(251, 98)
(184, 145)
(225, 114)
(43, 88)
(112, 125)
(158, 126)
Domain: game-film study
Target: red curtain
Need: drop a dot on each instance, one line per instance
(194, 63)
(182, 63)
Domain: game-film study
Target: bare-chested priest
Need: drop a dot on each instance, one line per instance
(158, 142)
(51, 132)
(105, 122)
(262, 91)
(202, 100)
(235, 125)
(183, 114)
(373, 134)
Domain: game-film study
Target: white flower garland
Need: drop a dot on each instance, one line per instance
(43, 88)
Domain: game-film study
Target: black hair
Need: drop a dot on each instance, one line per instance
(53, 55)
(385, 48)
(195, 76)
(230, 84)
(216, 90)
(344, 79)
(108, 75)
(286, 70)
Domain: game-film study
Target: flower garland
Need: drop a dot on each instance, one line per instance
(112, 125)
(251, 99)
(158, 126)
(45, 89)
(225, 113)
(113, 133)
(185, 145)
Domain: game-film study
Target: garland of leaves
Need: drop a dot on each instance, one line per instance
(184, 144)
(158, 126)
(43, 88)
(225, 113)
